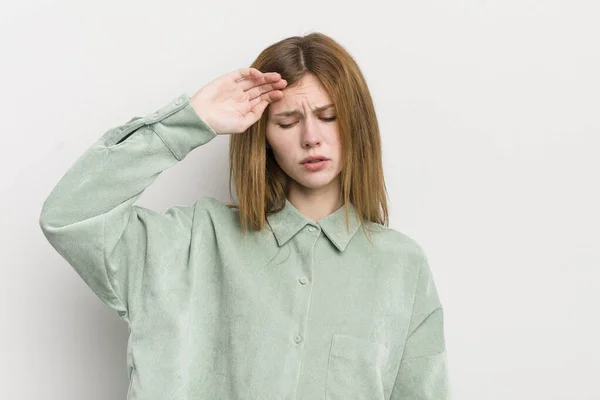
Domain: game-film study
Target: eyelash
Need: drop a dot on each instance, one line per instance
(287, 126)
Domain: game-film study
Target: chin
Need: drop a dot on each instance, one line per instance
(314, 182)
(314, 185)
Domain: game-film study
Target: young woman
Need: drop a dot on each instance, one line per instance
(298, 291)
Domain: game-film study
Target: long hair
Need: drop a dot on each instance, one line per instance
(260, 182)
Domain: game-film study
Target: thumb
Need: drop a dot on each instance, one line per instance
(256, 111)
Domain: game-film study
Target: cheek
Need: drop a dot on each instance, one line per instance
(280, 152)
(335, 140)
(269, 135)
(280, 146)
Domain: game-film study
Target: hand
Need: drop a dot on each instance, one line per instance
(234, 101)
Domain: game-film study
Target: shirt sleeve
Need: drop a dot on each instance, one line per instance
(90, 218)
(423, 373)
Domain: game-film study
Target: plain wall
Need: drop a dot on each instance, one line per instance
(494, 105)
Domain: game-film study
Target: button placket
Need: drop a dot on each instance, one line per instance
(308, 243)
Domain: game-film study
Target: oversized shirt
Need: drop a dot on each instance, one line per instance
(301, 310)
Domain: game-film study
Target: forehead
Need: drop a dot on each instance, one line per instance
(308, 90)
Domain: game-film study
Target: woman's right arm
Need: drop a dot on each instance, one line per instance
(90, 217)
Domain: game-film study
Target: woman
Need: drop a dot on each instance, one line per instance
(280, 296)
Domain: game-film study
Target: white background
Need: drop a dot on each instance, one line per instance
(489, 114)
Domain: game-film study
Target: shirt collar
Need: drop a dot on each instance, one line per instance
(289, 221)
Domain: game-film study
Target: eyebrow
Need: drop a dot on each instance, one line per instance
(298, 112)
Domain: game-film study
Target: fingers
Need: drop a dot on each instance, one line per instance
(249, 83)
(247, 78)
(268, 97)
(262, 88)
(256, 111)
(259, 104)
(244, 73)
(258, 108)
(257, 91)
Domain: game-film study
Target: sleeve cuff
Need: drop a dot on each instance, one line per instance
(180, 127)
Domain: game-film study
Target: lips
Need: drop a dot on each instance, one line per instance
(313, 159)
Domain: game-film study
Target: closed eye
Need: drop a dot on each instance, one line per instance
(287, 126)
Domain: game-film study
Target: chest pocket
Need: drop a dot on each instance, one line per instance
(354, 369)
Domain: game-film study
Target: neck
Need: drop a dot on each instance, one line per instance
(316, 204)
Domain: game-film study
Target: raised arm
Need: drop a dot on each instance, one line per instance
(90, 217)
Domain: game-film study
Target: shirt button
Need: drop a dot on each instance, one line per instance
(155, 115)
(298, 339)
(177, 101)
(304, 280)
(312, 229)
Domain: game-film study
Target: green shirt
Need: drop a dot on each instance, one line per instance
(301, 310)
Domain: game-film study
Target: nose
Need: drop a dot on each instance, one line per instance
(310, 134)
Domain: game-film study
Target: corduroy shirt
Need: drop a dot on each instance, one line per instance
(302, 310)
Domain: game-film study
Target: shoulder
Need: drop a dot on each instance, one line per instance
(395, 244)
(216, 216)
(214, 209)
(210, 204)
(214, 221)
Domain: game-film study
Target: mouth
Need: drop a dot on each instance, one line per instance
(315, 165)
(314, 160)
